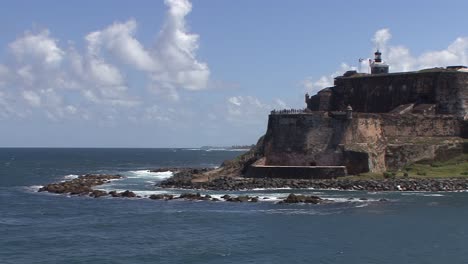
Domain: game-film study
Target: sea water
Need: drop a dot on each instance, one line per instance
(408, 227)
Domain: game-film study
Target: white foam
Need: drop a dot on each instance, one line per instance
(268, 189)
(422, 194)
(70, 177)
(361, 205)
(33, 188)
(433, 195)
(347, 200)
(148, 174)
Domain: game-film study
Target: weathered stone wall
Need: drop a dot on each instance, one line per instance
(291, 172)
(316, 139)
(400, 155)
(368, 142)
(421, 126)
(302, 139)
(381, 93)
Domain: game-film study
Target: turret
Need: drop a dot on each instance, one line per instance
(378, 66)
(349, 112)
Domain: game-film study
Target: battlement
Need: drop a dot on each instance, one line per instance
(446, 89)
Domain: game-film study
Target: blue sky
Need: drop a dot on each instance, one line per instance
(191, 73)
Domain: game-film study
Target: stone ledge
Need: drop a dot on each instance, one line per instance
(296, 172)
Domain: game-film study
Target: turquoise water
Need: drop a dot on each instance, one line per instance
(47, 228)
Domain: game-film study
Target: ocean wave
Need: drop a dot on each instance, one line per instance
(148, 174)
(296, 211)
(33, 188)
(422, 194)
(70, 177)
(272, 189)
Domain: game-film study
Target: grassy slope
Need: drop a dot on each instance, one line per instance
(453, 168)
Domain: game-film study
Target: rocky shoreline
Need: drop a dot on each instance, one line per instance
(83, 186)
(239, 183)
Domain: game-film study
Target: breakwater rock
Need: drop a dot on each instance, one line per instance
(182, 175)
(83, 185)
(293, 198)
(403, 184)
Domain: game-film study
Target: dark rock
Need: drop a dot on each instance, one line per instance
(161, 197)
(113, 194)
(293, 198)
(156, 196)
(81, 185)
(243, 198)
(312, 199)
(127, 194)
(97, 193)
(191, 196)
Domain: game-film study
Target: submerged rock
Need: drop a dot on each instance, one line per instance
(293, 198)
(97, 193)
(161, 197)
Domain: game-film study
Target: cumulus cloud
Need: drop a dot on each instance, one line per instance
(381, 37)
(37, 47)
(4, 73)
(313, 86)
(175, 53)
(240, 107)
(58, 78)
(399, 58)
(32, 98)
(119, 40)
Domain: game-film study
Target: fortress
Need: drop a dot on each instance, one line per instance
(373, 122)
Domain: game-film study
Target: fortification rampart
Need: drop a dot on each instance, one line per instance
(381, 93)
(363, 143)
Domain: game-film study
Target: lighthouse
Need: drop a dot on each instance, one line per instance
(378, 66)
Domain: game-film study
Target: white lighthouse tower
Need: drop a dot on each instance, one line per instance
(378, 66)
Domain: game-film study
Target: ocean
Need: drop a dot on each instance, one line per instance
(409, 227)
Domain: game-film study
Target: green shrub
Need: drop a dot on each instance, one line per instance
(389, 175)
(421, 173)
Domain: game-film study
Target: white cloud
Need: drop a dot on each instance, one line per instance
(324, 81)
(32, 98)
(37, 47)
(175, 53)
(155, 113)
(4, 75)
(47, 76)
(71, 109)
(119, 40)
(236, 100)
(381, 37)
(399, 58)
(245, 110)
(281, 104)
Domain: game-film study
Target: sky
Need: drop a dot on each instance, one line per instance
(181, 73)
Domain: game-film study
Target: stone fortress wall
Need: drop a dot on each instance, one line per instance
(381, 93)
(397, 119)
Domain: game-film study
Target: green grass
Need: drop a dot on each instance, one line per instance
(453, 168)
(456, 167)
